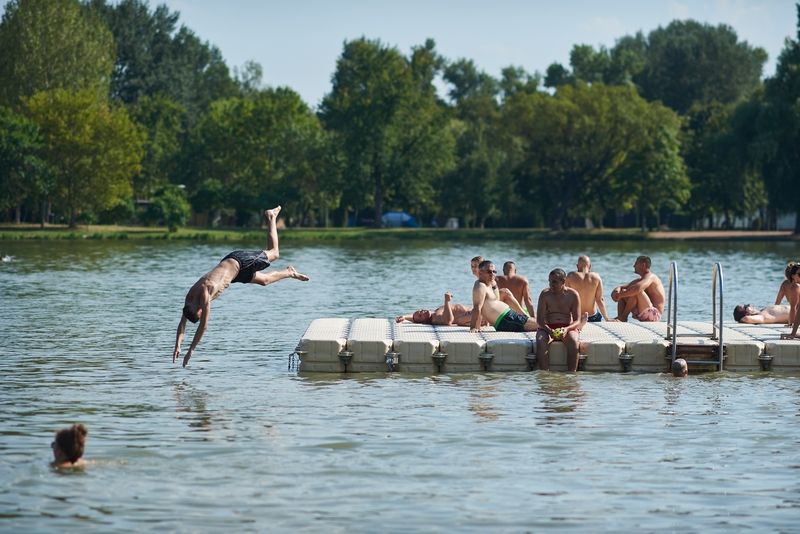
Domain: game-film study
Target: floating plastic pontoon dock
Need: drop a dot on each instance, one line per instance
(370, 345)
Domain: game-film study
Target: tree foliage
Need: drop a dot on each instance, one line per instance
(21, 170)
(93, 150)
(52, 44)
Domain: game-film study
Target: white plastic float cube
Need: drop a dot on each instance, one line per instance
(370, 341)
(416, 346)
(743, 351)
(462, 348)
(506, 351)
(319, 348)
(602, 349)
(647, 347)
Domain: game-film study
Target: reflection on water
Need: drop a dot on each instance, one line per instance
(237, 442)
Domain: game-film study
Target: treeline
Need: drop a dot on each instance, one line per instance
(116, 113)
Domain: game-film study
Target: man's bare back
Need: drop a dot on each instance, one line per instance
(589, 286)
(518, 285)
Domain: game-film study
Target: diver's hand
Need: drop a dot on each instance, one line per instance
(187, 357)
(176, 353)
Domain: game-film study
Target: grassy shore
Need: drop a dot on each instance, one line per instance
(28, 231)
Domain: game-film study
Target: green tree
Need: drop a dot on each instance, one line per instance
(157, 57)
(52, 44)
(581, 142)
(689, 62)
(92, 149)
(169, 206)
(21, 170)
(388, 126)
(162, 121)
(779, 126)
(249, 152)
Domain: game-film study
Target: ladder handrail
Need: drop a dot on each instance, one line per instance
(716, 275)
(672, 308)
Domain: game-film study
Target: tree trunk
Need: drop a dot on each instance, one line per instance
(17, 214)
(43, 214)
(378, 202)
(73, 218)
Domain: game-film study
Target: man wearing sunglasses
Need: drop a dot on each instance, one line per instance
(498, 307)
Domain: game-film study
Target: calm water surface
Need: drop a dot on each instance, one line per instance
(239, 442)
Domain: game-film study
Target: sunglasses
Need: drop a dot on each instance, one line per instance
(488, 271)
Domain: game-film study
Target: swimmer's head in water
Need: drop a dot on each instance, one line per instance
(680, 367)
(422, 316)
(70, 442)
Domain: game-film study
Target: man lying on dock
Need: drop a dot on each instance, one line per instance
(239, 266)
(772, 314)
(498, 307)
(447, 314)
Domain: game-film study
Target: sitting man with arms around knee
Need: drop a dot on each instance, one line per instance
(643, 298)
(560, 319)
(498, 307)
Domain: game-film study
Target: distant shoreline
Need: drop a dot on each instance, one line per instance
(11, 232)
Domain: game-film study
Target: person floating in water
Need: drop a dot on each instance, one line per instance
(239, 266)
(68, 447)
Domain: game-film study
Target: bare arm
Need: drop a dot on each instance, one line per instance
(478, 297)
(198, 335)
(637, 286)
(541, 313)
(179, 338)
(575, 311)
(527, 300)
(781, 295)
(401, 318)
(599, 300)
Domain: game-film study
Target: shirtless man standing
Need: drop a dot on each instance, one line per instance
(589, 286)
(238, 266)
(446, 314)
(559, 315)
(518, 285)
(499, 308)
(772, 314)
(643, 298)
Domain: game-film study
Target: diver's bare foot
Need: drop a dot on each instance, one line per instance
(448, 296)
(294, 274)
(272, 214)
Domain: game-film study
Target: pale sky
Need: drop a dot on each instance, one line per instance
(297, 42)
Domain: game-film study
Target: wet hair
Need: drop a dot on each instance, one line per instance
(559, 273)
(507, 266)
(191, 314)
(645, 260)
(71, 441)
(485, 263)
(680, 367)
(739, 312)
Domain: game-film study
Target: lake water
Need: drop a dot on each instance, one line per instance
(239, 442)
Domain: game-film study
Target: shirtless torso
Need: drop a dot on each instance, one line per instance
(772, 314)
(643, 298)
(590, 288)
(791, 290)
(520, 288)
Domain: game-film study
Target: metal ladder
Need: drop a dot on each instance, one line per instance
(696, 355)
